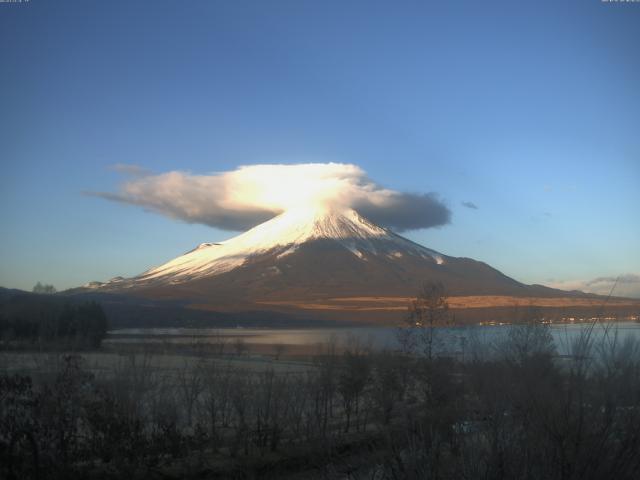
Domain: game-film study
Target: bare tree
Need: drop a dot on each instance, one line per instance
(353, 378)
(324, 383)
(191, 385)
(240, 346)
(528, 338)
(387, 385)
(218, 343)
(428, 311)
(279, 349)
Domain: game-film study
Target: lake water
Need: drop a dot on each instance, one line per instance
(453, 339)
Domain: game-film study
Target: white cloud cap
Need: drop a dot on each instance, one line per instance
(249, 195)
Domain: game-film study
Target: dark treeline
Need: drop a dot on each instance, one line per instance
(52, 321)
(44, 289)
(505, 409)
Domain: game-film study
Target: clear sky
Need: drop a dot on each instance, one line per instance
(530, 111)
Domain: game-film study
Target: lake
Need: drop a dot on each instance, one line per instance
(452, 339)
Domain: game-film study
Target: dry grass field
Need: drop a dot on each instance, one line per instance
(460, 302)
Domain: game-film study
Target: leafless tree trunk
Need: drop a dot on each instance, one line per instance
(191, 385)
(428, 311)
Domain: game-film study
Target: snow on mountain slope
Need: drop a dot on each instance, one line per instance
(281, 236)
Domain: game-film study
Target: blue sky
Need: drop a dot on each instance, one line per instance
(529, 110)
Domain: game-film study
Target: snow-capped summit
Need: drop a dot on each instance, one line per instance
(314, 262)
(280, 237)
(305, 254)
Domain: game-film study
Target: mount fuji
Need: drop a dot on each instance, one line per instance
(323, 261)
(274, 247)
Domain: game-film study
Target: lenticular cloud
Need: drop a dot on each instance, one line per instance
(242, 198)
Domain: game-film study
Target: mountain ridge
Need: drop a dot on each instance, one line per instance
(330, 264)
(315, 253)
(280, 236)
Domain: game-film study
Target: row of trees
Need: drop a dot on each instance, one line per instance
(53, 323)
(44, 289)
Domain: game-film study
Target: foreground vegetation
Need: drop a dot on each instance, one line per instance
(48, 322)
(509, 409)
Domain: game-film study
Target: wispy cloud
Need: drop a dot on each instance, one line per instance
(470, 205)
(242, 198)
(625, 285)
(628, 278)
